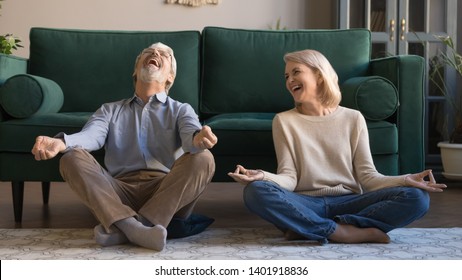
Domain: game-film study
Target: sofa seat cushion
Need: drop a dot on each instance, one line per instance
(18, 135)
(242, 133)
(27, 95)
(375, 97)
(248, 133)
(383, 137)
(387, 164)
(242, 121)
(246, 138)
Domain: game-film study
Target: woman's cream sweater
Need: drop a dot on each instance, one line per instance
(325, 155)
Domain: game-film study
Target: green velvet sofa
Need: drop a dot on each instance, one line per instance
(233, 78)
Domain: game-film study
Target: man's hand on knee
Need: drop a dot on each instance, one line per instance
(47, 147)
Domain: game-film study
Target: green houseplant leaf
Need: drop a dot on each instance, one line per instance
(8, 43)
(453, 60)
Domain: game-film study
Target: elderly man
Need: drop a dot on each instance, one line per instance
(156, 155)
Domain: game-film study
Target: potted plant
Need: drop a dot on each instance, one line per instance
(8, 43)
(451, 150)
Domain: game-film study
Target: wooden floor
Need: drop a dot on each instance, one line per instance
(221, 201)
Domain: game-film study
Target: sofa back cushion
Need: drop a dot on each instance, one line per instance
(95, 67)
(243, 70)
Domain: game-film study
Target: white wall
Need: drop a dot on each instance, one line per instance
(18, 16)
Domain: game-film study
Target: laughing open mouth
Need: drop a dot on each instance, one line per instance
(154, 62)
(296, 88)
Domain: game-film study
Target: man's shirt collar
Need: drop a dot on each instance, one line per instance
(161, 97)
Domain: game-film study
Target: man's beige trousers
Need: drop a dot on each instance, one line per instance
(155, 195)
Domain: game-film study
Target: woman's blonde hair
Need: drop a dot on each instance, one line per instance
(330, 92)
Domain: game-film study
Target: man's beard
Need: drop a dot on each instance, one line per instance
(149, 75)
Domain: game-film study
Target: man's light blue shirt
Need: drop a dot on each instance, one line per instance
(138, 136)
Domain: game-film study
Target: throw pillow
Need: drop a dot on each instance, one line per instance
(24, 95)
(194, 224)
(375, 97)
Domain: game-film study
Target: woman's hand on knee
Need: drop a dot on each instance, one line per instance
(246, 176)
(418, 180)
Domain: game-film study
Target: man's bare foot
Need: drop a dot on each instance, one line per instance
(351, 234)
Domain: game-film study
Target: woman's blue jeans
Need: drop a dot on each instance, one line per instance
(316, 217)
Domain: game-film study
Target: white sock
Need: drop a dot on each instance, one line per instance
(104, 238)
(149, 237)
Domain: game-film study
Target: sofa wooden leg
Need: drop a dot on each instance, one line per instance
(18, 198)
(45, 192)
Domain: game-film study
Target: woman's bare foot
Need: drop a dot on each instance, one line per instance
(351, 234)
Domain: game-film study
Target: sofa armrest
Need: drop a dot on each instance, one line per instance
(407, 73)
(10, 66)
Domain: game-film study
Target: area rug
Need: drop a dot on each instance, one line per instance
(230, 244)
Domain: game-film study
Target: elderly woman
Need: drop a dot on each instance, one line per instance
(327, 187)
